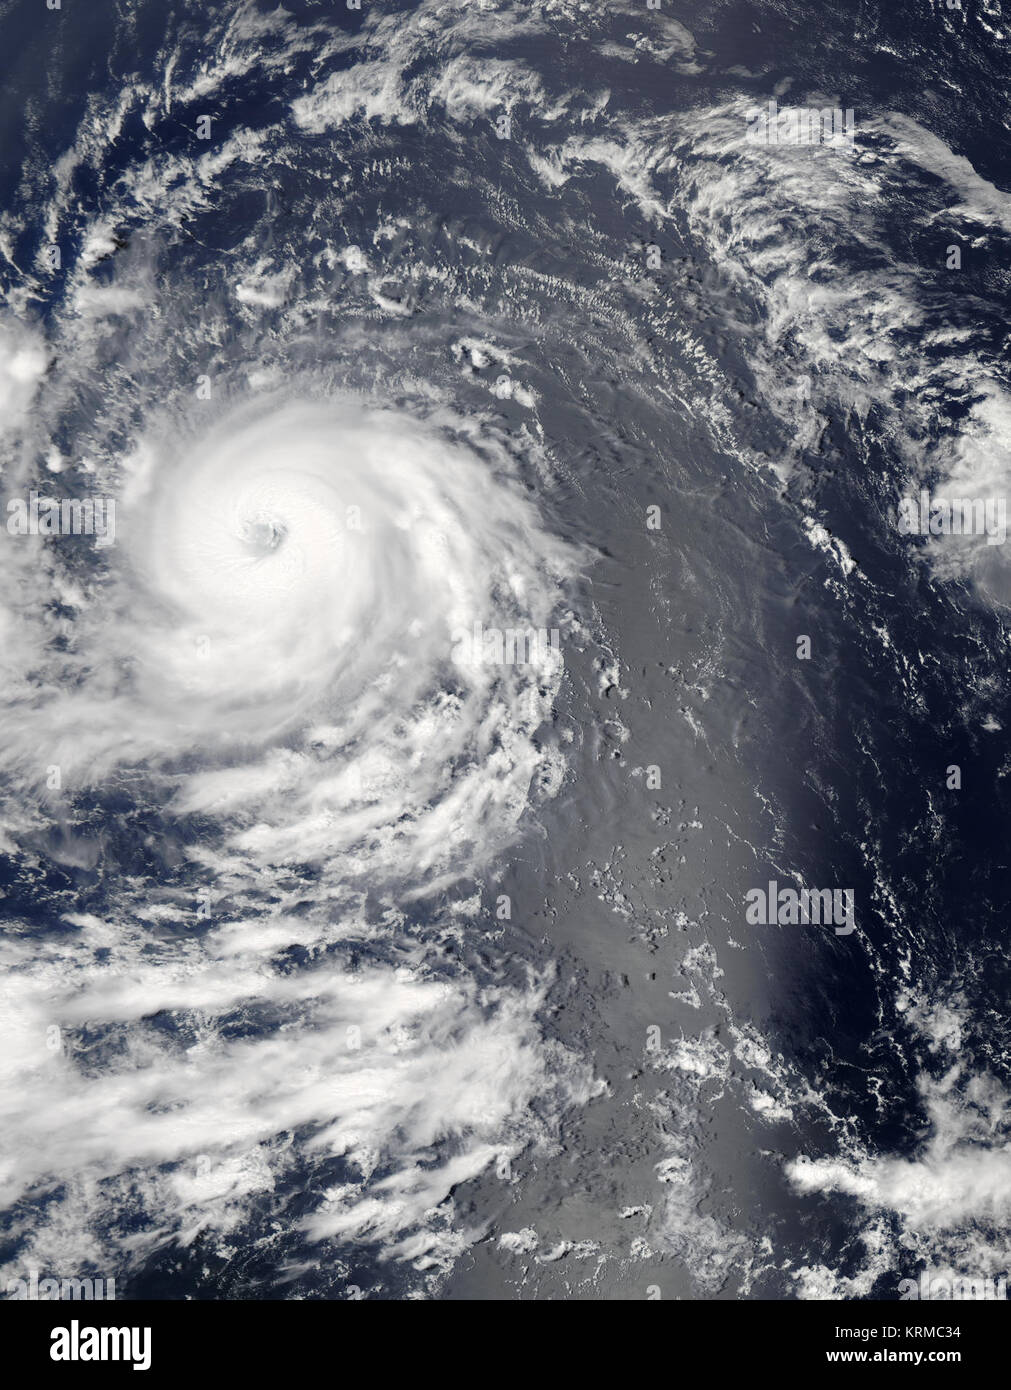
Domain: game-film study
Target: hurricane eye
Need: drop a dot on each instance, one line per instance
(263, 535)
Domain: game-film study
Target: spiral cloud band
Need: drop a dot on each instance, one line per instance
(278, 664)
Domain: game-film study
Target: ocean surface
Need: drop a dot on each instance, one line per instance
(498, 453)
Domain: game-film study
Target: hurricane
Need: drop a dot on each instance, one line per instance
(292, 622)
